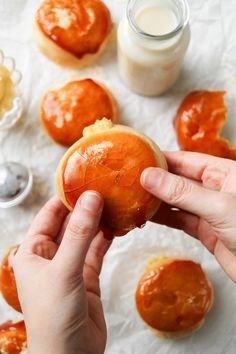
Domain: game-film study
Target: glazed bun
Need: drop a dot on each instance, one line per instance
(67, 109)
(7, 280)
(199, 121)
(13, 338)
(173, 297)
(110, 159)
(72, 33)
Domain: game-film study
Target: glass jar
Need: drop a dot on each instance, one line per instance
(150, 63)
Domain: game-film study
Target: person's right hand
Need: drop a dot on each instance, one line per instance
(57, 270)
(199, 192)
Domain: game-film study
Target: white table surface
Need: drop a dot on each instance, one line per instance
(210, 64)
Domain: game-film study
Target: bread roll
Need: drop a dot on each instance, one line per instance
(7, 280)
(199, 122)
(72, 33)
(13, 337)
(67, 109)
(173, 297)
(110, 159)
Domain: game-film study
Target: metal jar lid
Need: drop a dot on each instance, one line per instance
(15, 183)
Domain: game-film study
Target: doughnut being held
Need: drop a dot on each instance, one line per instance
(110, 159)
(7, 280)
(198, 124)
(66, 110)
(13, 338)
(173, 297)
(72, 32)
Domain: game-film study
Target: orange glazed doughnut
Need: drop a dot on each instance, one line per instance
(173, 297)
(65, 111)
(199, 121)
(110, 159)
(72, 32)
(13, 338)
(7, 280)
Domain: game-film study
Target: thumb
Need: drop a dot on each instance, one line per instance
(79, 233)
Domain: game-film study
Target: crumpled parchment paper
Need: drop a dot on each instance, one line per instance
(210, 63)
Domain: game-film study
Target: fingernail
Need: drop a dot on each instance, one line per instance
(149, 178)
(91, 201)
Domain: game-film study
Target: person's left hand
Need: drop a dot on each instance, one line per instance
(57, 271)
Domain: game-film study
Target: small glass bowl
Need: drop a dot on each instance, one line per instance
(14, 113)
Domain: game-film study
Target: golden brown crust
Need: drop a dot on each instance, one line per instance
(59, 181)
(152, 263)
(59, 55)
(57, 86)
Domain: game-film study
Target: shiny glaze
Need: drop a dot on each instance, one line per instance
(198, 123)
(78, 26)
(173, 296)
(12, 337)
(66, 111)
(111, 163)
(7, 281)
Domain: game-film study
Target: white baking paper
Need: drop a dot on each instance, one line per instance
(210, 64)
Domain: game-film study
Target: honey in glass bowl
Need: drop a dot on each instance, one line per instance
(11, 104)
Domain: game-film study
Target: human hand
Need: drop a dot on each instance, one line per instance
(199, 194)
(57, 271)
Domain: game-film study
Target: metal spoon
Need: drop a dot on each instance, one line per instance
(15, 183)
